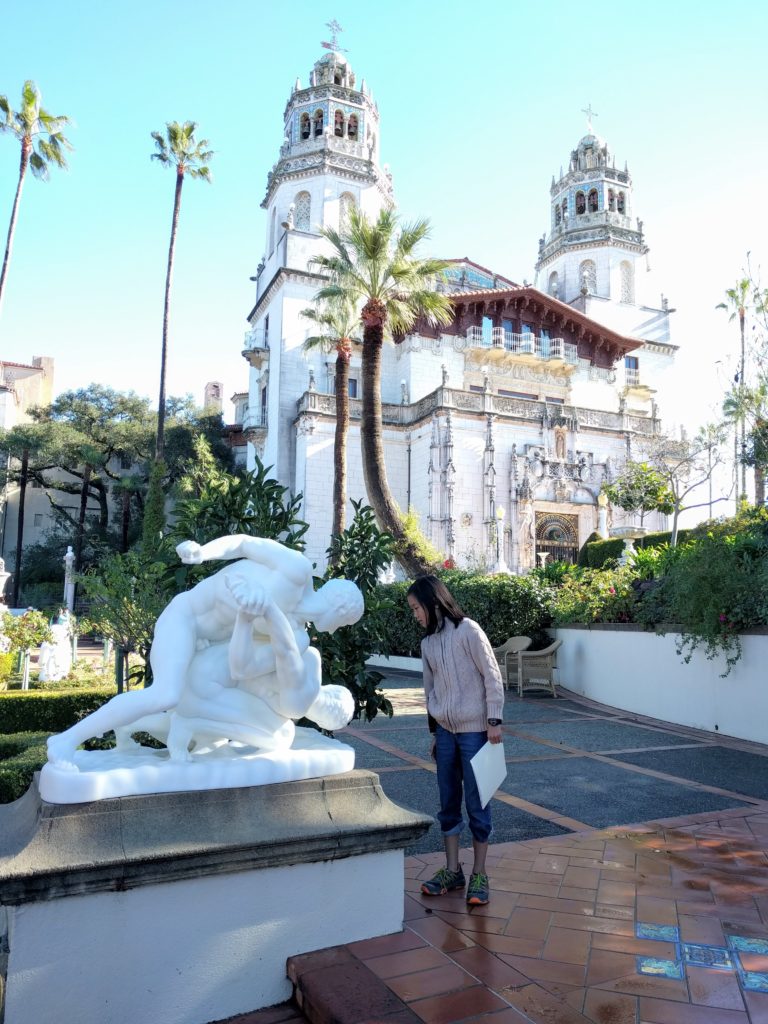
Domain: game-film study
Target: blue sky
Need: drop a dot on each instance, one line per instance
(480, 106)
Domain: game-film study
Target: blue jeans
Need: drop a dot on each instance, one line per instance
(453, 753)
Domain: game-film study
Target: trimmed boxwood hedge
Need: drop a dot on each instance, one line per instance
(600, 551)
(48, 712)
(21, 755)
(503, 605)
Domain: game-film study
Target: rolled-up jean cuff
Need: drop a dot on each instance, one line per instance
(456, 830)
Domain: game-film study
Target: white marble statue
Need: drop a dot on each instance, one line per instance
(232, 666)
(55, 658)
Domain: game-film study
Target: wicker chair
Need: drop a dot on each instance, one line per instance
(508, 649)
(536, 669)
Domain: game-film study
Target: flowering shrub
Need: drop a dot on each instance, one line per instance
(595, 595)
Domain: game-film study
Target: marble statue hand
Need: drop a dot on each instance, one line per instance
(190, 552)
(251, 598)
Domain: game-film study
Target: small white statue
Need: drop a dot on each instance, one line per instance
(55, 658)
(230, 657)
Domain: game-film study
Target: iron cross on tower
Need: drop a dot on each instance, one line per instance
(335, 28)
(590, 114)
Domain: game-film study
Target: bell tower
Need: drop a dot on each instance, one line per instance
(329, 158)
(594, 243)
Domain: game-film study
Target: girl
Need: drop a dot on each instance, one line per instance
(465, 697)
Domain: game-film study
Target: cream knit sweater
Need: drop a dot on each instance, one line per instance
(462, 681)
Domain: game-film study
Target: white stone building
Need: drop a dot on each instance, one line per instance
(500, 428)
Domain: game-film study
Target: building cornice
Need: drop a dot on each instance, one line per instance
(284, 274)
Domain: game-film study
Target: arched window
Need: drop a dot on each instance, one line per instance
(338, 124)
(303, 212)
(272, 225)
(611, 199)
(627, 281)
(305, 127)
(352, 127)
(588, 277)
(592, 201)
(318, 123)
(558, 215)
(621, 203)
(346, 203)
(554, 283)
(581, 203)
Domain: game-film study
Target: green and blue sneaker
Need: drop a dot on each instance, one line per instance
(477, 893)
(444, 881)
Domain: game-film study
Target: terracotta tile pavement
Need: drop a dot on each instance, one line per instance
(556, 959)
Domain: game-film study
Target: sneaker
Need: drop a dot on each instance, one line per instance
(477, 893)
(444, 881)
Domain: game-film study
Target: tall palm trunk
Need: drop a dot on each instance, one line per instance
(26, 149)
(759, 486)
(160, 445)
(374, 469)
(20, 525)
(340, 440)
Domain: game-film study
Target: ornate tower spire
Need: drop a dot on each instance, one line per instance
(593, 243)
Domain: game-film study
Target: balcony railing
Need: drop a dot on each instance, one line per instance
(631, 377)
(257, 337)
(255, 419)
(523, 344)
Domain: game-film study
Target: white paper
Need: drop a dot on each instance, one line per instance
(490, 770)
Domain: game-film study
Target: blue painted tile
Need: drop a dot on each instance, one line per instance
(707, 956)
(659, 968)
(662, 932)
(746, 945)
(754, 981)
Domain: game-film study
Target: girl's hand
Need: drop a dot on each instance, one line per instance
(494, 734)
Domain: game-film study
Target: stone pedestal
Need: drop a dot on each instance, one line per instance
(184, 907)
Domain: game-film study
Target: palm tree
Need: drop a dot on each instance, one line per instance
(373, 264)
(177, 148)
(338, 323)
(736, 303)
(751, 404)
(31, 125)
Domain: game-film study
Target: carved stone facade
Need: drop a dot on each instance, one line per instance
(500, 427)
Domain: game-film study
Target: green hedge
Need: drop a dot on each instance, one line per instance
(48, 712)
(600, 551)
(503, 605)
(21, 755)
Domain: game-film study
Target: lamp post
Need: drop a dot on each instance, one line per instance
(501, 565)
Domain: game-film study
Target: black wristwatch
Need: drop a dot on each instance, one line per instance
(495, 721)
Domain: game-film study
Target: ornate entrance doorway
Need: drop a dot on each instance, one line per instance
(557, 536)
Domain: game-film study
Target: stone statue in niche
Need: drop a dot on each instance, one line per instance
(560, 442)
(232, 668)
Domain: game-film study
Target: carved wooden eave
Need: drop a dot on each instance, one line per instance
(592, 337)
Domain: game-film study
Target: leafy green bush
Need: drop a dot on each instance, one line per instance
(21, 755)
(583, 559)
(359, 554)
(714, 587)
(601, 551)
(503, 605)
(39, 711)
(7, 661)
(595, 595)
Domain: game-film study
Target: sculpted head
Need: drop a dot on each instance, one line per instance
(339, 603)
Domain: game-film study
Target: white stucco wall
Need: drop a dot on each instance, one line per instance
(642, 673)
(192, 951)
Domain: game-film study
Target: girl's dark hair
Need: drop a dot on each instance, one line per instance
(432, 594)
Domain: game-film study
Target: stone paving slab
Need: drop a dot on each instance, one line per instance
(601, 794)
(737, 770)
(602, 735)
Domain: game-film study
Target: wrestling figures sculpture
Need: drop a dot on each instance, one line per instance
(232, 668)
